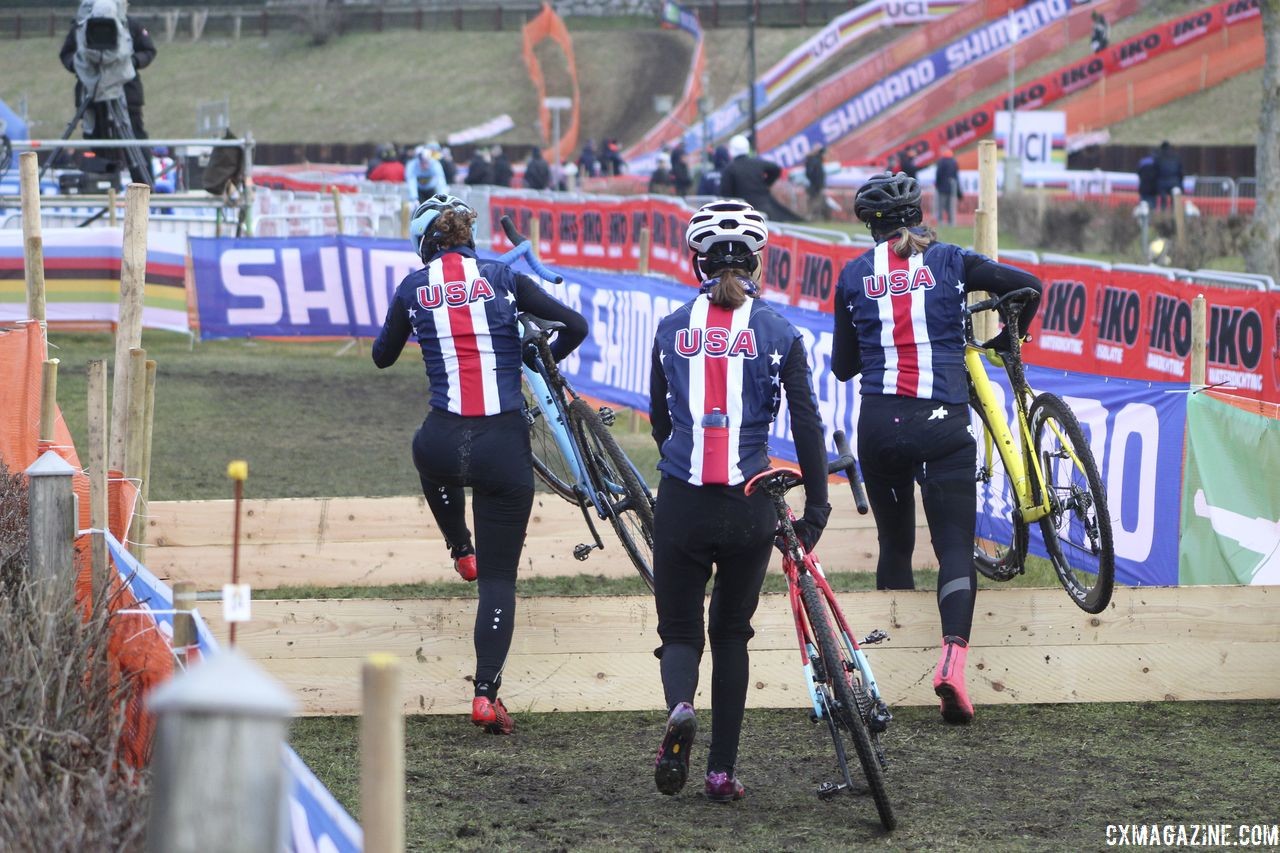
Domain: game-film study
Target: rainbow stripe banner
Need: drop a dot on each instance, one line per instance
(82, 278)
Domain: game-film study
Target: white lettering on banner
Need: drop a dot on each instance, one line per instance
(1236, 378)
(995, 36)
(356, 286)
(303, 301)
(1134, 420)
(1165, 364)
(260, 287)
(1107, 352)
(623, 326)
(1059, 343)
(386, 270)
(878, 98)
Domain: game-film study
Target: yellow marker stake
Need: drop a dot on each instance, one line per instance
(238, 470)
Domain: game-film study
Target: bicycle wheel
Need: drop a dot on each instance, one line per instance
(851, 700)
(549, 462)
(999, 539)
(1077, 530)
(627, 497)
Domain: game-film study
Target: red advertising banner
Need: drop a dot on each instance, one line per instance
(980, 121)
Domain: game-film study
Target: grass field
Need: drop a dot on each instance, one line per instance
(1038, 777)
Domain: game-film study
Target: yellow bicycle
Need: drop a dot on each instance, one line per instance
(1041, 470)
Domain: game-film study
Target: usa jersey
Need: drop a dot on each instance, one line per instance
(730, 360)
(463, 312)
(908, 315)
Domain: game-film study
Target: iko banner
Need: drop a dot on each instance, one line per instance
(1230, 503)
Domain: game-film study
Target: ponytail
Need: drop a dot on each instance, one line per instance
(730, 291)
(911, 242)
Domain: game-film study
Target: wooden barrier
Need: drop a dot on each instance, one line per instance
(378, 541)
(596, 654)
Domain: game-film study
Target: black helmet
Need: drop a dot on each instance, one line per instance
(888, 201)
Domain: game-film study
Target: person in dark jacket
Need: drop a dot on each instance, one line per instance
(660, 182)
(1147, 184)
(749, 179)
(447, 165)
(480, 170)
(680, 176)
(946, 183)
(502, 171)
(537, 174)
(816, 174)
(709, 180)
(144, 53)
(588, 164)
(907, 163)
(1168, 175)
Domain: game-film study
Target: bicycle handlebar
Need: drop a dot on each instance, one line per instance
(1019, 298)
(522, 248)
(849, 465)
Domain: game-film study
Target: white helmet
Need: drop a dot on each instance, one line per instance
(739, 145)
(725, 221)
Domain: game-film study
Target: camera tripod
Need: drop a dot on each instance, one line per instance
(118, 126)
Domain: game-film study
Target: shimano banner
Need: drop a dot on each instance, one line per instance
(904, 82)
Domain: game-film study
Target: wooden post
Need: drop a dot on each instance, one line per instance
(141, 517)
(137, 404)
(238, 471)
(337, 208)
(986, 230)
(96, 421)
(406, 215)
(51, 515)
(1179, 218)
(133, 272)
(535, 233)
(32, 240)
(218, 776)
(48, 398)
(112, 217)
(382, 756)
(1199, 334)
(184, 625)
(644, 250)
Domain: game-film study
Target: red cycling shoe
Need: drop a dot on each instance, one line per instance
(948, 681)
(464, 563)
(492, 715)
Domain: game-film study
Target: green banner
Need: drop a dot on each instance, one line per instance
(1230, 496)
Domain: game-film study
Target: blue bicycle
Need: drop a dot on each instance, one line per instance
(573, 451)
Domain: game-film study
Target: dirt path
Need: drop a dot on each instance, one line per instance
(1023, 777)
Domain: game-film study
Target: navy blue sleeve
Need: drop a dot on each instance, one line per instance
(846, 357)
(982, 273)
(659, 414)
(806, 424)
(532, 298)
(395, 332)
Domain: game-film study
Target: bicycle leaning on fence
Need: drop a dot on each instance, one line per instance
(839, 678)
(1046, 474)
(574, 452)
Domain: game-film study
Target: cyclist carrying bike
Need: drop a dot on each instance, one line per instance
(720, 362)
(462, 310)
(899, 322)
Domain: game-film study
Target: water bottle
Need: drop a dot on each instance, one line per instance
(715, 448)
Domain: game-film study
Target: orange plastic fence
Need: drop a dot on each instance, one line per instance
(548, 25)
(135, 645)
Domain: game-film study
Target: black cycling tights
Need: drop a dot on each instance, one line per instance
(492, 456)
(902, 440)
(694, 528)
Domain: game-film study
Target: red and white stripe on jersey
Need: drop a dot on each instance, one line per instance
(466, 343)
(715, 382)
(904, 328)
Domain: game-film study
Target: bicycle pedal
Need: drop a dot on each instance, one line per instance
(581, 552)
(607, 416)
(827, 790)
(876, 636)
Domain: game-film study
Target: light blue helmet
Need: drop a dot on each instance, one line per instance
(422, 232)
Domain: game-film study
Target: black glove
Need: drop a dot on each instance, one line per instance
(809, 528)
(1000, 343)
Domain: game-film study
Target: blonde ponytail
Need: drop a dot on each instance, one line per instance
(730, 291)
(912, 242)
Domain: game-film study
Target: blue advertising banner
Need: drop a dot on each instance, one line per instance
(906, 81)
(341, 286)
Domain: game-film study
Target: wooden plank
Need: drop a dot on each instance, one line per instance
(609, 681)
(311, 520)
(628, 624)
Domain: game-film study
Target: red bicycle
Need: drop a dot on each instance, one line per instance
(839, 678)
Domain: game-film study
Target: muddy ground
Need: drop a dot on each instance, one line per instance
(1044, 777)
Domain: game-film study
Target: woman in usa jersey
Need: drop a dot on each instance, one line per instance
(720, 364)
(462, 311)
(899, 322)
